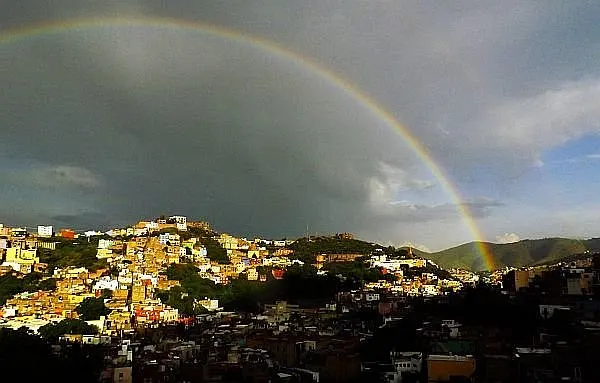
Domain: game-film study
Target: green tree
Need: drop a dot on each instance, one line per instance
(69, 253)
(306, 250)
(9, 286)
(47, 284)
(92, 308)
(177, 298)
(215, 252)
(13, 283)
(52, 331)
(31, 359)
(191, 282)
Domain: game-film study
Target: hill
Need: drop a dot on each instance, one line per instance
(522, 253)
(306, 250)
(467, 256)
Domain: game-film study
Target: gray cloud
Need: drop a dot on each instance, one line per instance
(409, 212)
(63, 176)
(148, 121)
(82, 220)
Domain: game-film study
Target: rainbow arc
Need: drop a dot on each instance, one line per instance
(274, 49)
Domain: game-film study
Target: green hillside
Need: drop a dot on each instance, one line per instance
(306, 250)
(522, 253)
(467, 256)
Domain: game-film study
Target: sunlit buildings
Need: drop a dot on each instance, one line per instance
(180, 222)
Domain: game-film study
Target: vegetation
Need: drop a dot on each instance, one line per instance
(306, 250)
(214, 251)
(52, 331)
(177, 298)
(92, 309)
(11, 284)
(417, 271)
(73, 253)
(191, 282)
(522, 253)
(355, 273)
(28, 358)
(300, 284)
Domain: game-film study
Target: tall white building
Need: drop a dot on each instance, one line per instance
(45, 231)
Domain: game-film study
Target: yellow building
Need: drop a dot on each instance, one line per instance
(21, 256)
(138, 293)
(252, 274)
(118, 320)
(104, 253)
(120, 294)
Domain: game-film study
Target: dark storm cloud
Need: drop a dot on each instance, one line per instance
(258, 145)
(83, 220)
(180, 122)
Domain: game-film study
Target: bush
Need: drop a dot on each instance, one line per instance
(52, 331)
(92, 309)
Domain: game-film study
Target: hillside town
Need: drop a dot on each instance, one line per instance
(134, 261)
(170, 299)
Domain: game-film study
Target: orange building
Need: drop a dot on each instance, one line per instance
(444, 368)
(67, 233)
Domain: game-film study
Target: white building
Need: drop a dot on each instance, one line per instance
(152, 226)
(117, 232)
(45, 231)
(105, 243)
(396, 264)
(168, 238)
(180, 221)
(106, 283)
(138, 232)
(370, 297)
(407, 361)
(93, 233)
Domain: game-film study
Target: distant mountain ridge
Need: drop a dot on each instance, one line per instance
(528, 252)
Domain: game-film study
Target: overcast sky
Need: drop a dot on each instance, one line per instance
(102, 126)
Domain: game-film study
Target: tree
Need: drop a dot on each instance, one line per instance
(306, 250)
(177, 298)
(11, 284)
(68, 253)
(31, 359)
(92, 308)
(107, 293)
(191, 282)
(214, 251)
(52, 331)
(47, 284)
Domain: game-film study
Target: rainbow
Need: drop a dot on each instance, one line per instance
(272, 48)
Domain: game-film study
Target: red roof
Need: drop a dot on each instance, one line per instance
(278, 273)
